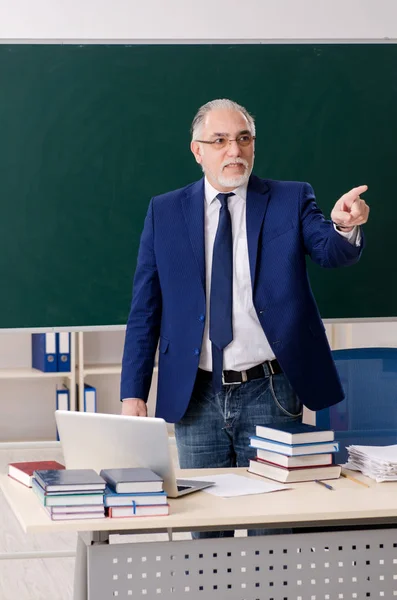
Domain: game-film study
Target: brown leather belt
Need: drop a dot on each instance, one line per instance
(270, 367)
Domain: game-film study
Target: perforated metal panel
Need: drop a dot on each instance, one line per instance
(309, 566)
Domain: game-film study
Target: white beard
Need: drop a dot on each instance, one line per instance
(236, 180)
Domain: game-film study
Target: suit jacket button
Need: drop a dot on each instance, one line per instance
(202, 318)
(197, 351)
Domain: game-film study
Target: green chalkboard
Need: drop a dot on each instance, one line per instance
(89, 133)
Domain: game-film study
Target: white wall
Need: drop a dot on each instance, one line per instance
(172, 20)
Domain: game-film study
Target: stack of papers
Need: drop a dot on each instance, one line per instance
(377, 462)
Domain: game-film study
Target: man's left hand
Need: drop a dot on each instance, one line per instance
(351, 210)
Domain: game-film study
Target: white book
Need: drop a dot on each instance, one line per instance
(295, 475)
(74, 509)
(73, 516)
(306, 460)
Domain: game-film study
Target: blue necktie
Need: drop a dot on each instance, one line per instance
(221, 295)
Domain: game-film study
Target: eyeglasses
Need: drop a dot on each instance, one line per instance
(243, 140)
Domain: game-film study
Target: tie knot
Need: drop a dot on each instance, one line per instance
(223, 198)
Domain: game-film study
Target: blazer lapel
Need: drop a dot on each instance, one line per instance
(257, 200)
(193, 211)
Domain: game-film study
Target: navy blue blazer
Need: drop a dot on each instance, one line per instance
(284, 224)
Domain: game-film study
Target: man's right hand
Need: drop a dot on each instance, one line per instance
(134, 407)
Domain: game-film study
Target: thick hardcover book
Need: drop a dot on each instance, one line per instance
(111, 498)
(77, 480)
(294, 475)
(79, 499)
(131, 481)
(295, 433)
(306, 460)
(139, 511)
(293, 450)
(23, 471)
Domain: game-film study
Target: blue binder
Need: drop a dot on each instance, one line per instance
(63, 351)
(89, 398)
(62, 400)
(44, 356)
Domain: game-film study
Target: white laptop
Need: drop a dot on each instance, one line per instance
(101, 441)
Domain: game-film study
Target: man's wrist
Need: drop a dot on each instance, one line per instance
(134, 399)
(345, 228)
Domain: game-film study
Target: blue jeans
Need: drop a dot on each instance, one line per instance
(215, 430)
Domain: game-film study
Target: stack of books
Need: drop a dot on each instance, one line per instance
(70, 493)
(295, 452)
(135, 492)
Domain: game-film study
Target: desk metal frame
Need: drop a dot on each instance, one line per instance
(324, 565)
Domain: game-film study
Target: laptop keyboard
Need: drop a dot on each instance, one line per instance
(183, 487)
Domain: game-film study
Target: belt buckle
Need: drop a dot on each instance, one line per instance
(244, 378)
(269, 364)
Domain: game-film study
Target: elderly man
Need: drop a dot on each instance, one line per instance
(221, 284)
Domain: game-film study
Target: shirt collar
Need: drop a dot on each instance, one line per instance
(211, 193)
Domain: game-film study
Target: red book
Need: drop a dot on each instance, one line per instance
(23, 471)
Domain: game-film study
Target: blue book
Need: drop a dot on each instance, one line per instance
(295, 433)
(76, 480)
(112, 498)
(293, 449)
(44, 356)
(133, 480)
(63, 351)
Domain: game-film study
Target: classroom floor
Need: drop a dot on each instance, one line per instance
(37, 578)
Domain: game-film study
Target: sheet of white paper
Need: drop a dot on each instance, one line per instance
(227, 485)
(383, 453)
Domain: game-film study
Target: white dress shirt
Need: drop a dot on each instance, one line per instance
(249, 346)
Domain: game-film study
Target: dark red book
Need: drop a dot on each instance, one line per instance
(23, 471)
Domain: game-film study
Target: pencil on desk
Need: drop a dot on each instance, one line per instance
(354, 479)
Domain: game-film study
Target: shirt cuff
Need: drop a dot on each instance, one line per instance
(353, 236)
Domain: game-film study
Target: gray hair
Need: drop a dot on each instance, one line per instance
(215, 104)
